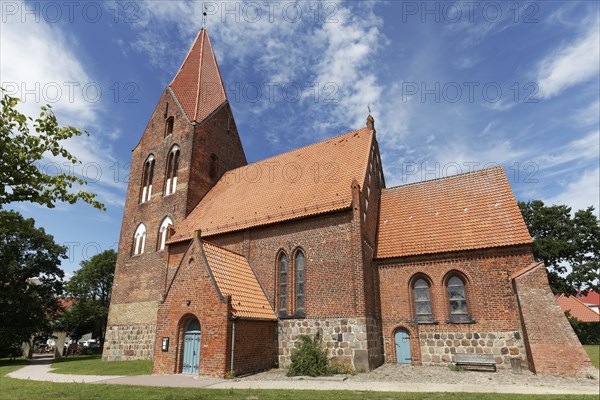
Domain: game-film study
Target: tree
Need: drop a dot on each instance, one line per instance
(21, 151)
(30, 281)
(91, 287)
(562, 240)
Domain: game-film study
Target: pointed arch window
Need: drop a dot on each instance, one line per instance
(299, 264)
(139, 240)
(163, 232)
(282, 282)
(147, 175)
(172, 167)
(457, 299)
(422, 300)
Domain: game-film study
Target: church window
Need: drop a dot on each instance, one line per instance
(172, 167)
(282, 282)
(163, 232)
(148, 174)
(299, 264)
(169, 126)
(139, 240)
(422, 300)
(457, 300)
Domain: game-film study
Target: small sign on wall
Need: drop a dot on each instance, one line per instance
(165, 344)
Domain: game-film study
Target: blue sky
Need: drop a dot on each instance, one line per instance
(453, 86)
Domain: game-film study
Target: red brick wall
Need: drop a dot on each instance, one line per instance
(192, 283)
(255, 346)
(141, 279)
(490, 297)
(553, 346)
(217, 135)
(327, 242)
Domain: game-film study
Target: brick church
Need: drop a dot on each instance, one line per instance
(222, 264)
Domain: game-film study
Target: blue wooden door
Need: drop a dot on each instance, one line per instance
(191, 348)
(402, 347)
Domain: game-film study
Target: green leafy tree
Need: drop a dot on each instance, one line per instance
(30, 281)
(21, 150)
(562, 240)
(91, 287)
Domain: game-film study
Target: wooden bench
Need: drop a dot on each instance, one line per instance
(483, 362)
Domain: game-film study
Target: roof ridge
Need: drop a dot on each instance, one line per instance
(444, 177)
(296, 149)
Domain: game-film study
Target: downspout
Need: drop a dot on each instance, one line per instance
(233, 318)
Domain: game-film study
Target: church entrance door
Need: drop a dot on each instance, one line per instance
(191, 348)
(402, 347)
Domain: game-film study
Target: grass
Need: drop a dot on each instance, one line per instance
(93, 365)
(16, 389)
(593, 351)
(29, 390)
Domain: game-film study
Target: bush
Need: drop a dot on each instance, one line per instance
(309, 359)
(587, 332)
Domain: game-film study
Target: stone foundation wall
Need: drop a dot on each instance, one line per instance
(439, 348)
(346, 340)
(129, 342)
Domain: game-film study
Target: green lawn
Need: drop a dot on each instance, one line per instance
(593, 351)
(93, 365)
(16, 389)
(28, 390)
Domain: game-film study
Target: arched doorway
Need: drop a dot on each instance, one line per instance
(402, 340)
(191, 348)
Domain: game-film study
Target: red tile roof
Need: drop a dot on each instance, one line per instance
(234, 277)
(307, 181)
(590, 298)
(198, 85)
(462, 212)
(577, 309)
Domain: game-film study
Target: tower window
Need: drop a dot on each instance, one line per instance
(147, 176)
(213, 166)
(139, 240)
(169, 126)
(163, 232)
(172, 167)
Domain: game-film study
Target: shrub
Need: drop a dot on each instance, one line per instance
(587, 332)
(309, 359)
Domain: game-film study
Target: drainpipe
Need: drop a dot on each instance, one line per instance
(233, 318)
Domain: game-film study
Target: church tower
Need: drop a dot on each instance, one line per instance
(190, 141)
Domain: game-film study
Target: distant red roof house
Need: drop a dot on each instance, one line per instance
(577, 309)
(592, 299)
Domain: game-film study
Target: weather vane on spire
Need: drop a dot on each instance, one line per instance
(204, 18)
(369, 108)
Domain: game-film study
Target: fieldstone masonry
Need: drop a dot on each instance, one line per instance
(438, 348)
(345, 339)
(127, 342)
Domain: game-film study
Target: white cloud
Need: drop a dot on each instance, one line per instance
(580, 193)
(40, 65)
(589, 115)
(570, 64)
(585, 148)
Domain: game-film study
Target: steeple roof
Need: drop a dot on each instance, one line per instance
(198, 85)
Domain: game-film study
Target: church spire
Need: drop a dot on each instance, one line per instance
(198, 85)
